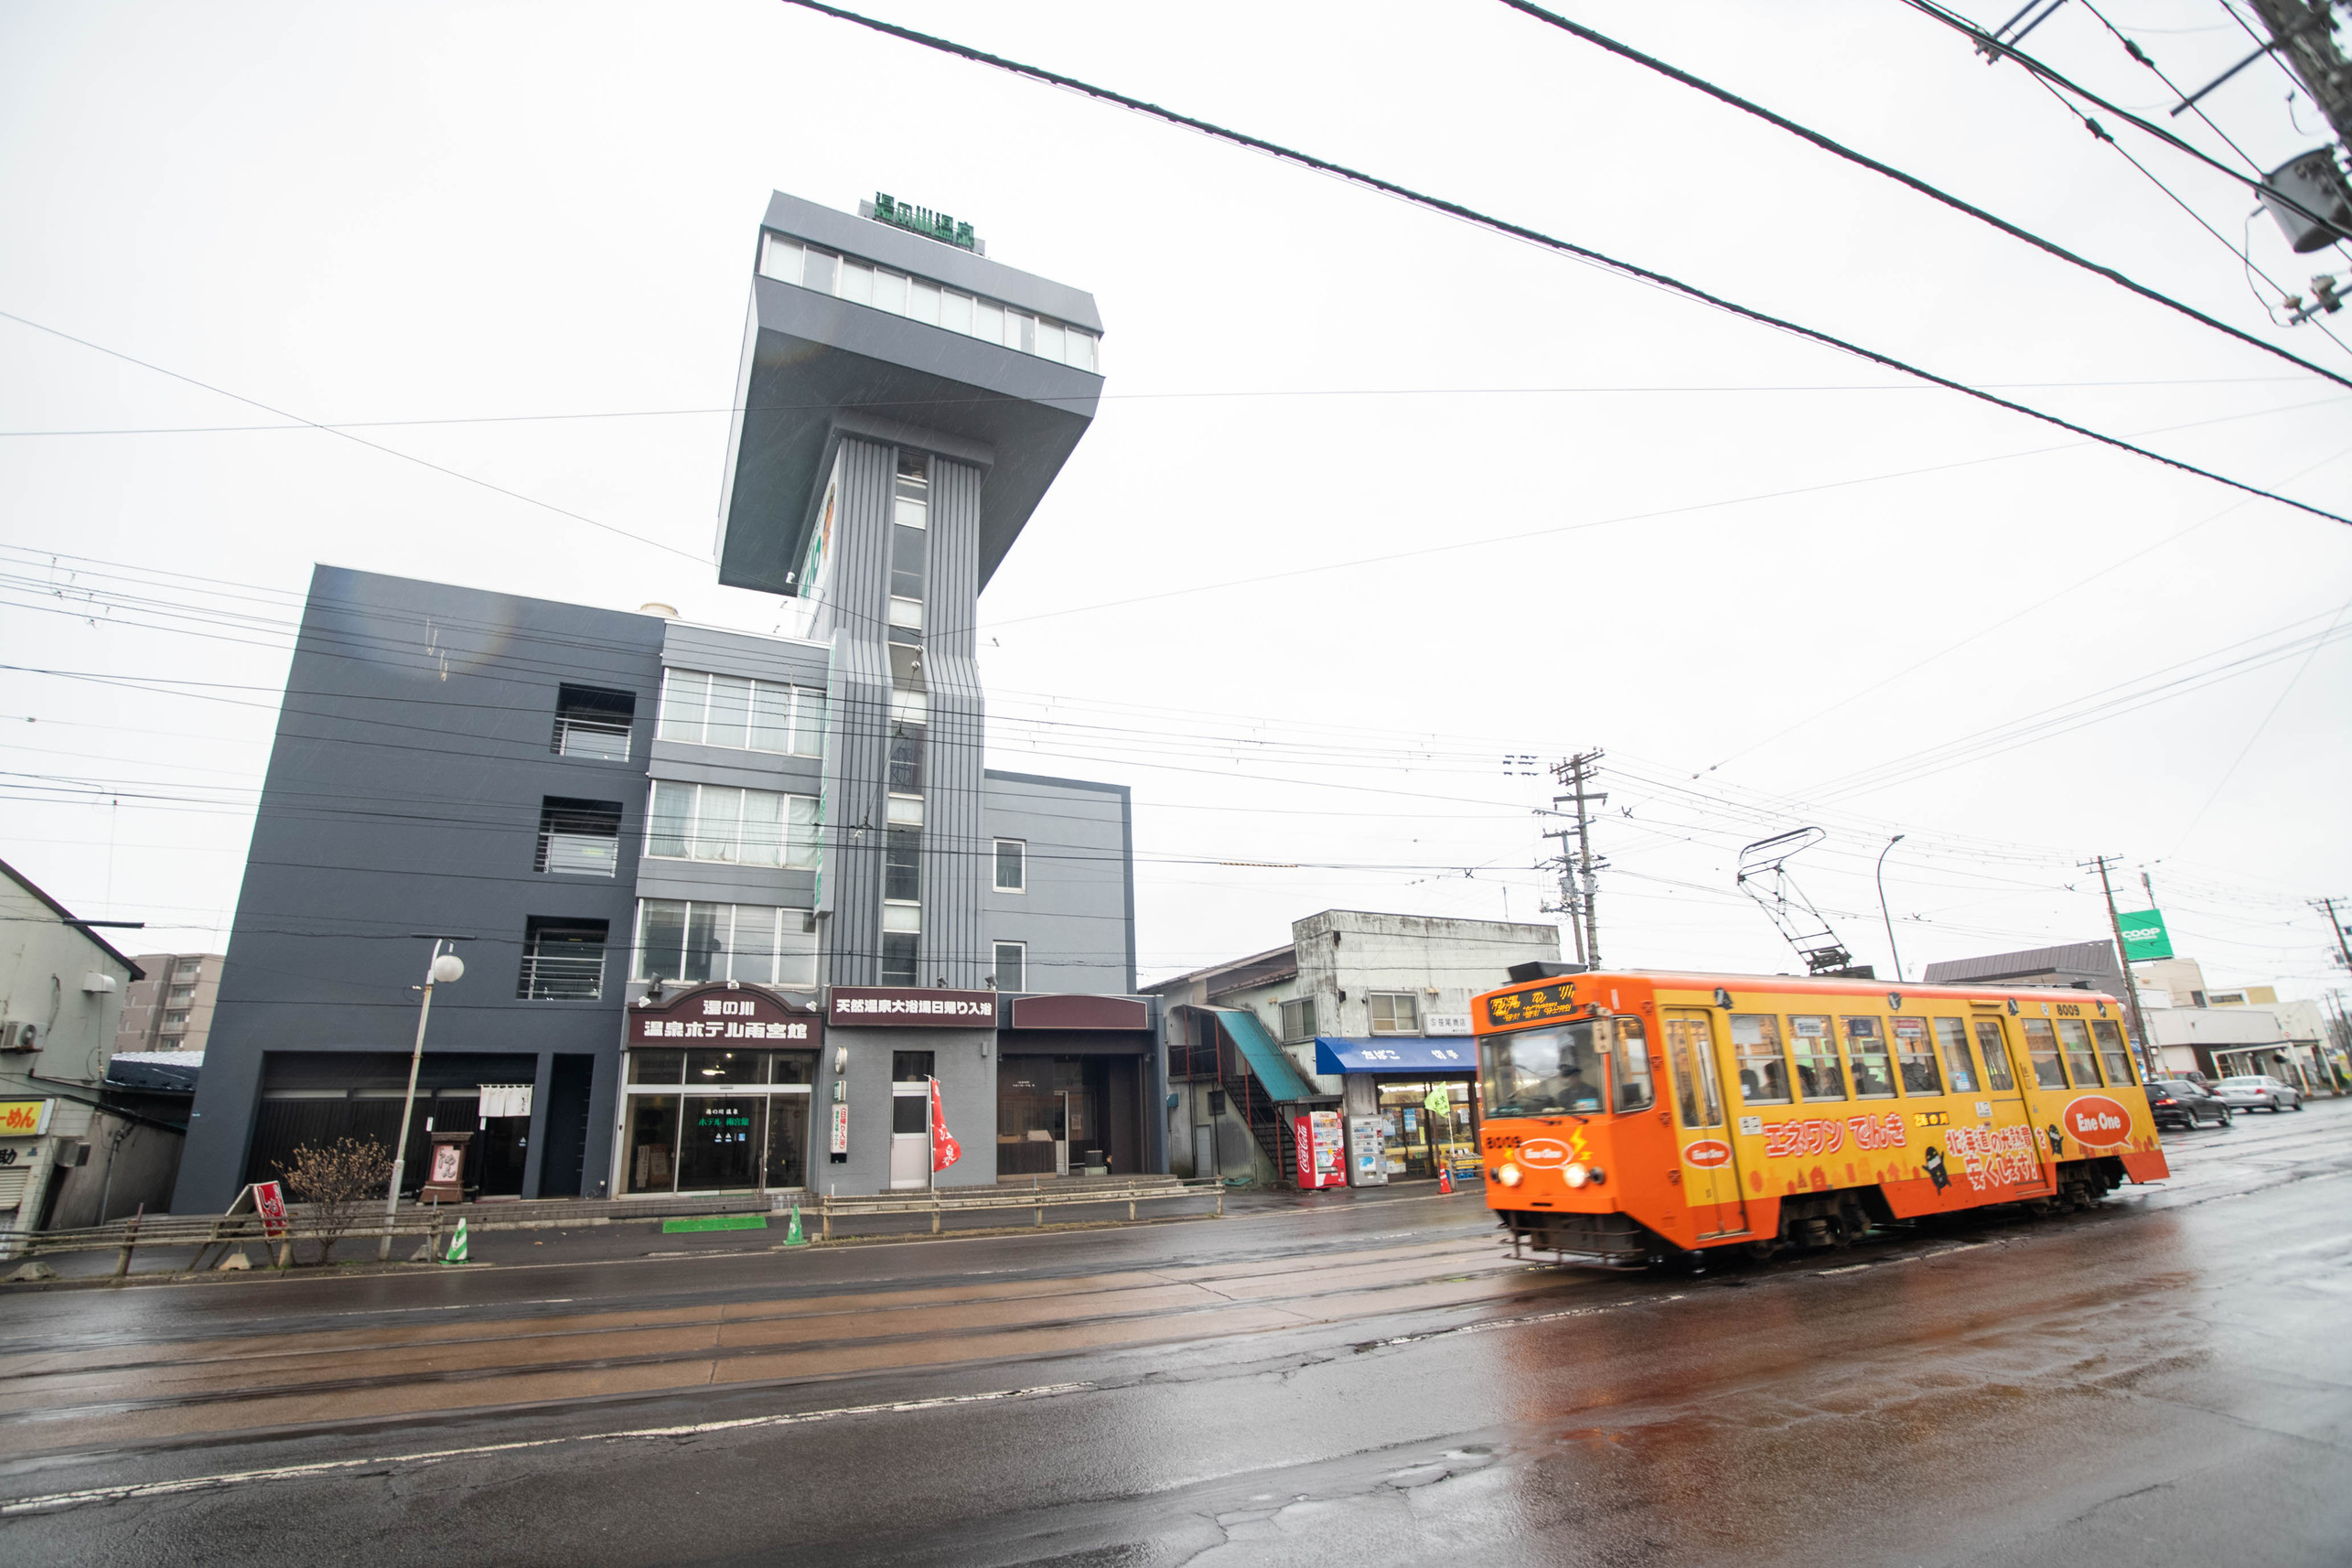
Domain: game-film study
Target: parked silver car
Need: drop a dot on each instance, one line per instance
(2258, 1091)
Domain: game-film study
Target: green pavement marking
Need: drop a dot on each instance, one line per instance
(717, 1222)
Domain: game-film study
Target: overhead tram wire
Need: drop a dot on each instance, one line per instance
(1538, 237)
(1863, 161)
(348, 435)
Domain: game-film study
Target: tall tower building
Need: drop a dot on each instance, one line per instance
(905, 404)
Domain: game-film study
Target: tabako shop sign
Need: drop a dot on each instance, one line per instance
(744, 1016)
(1544, 1002)
(896, 1007)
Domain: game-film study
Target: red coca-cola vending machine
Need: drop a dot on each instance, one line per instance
(1322, 1151)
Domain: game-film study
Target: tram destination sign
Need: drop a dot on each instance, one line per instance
(911, 1007)
(1514, 1009)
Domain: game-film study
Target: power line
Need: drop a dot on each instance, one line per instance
(1862, 160)
(1536, 237)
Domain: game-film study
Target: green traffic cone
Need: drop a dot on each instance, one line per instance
(456, 1252)
(793, 1236)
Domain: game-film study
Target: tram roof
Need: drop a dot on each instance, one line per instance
(1810, 984)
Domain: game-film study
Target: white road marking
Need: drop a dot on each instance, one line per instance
(333, 1467)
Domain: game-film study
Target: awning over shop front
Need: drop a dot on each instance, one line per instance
(1389, 1053)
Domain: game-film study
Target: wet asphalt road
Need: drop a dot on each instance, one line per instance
(2165, 1380)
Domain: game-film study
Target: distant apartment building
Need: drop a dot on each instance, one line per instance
(1363, 1015)
(171, 1008)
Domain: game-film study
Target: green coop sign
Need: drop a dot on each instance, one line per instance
(2144, 936)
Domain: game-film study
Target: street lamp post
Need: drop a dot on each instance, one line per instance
(1891, 949)
(445, 967)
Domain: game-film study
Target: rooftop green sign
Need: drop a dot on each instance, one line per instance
(923, 220)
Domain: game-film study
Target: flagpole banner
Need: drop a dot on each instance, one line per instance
(945, 1150)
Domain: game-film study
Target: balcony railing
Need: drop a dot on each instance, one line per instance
(605, 738)
(576, 974)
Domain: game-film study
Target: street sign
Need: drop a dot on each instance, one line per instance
(2144, 936)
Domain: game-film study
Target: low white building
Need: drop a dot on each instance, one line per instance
(61, 991)
(1364, 1016)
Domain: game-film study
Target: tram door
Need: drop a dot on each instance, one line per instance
(2009, 1163)
(1709, 1160)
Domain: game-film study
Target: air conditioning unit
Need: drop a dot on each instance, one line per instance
(18, 1036)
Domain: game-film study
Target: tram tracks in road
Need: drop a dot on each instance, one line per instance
(220, 1388)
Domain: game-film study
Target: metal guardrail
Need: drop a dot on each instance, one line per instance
(205, 1232)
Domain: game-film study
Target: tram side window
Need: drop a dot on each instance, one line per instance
(1915, 1058)
(1630, 1067)
(1690, 1056)
(1951, 1044)
(1866, 1049)
(2042, 1049)
(1763, 1071)
(2111, 1052)
(1818, 1076)
(1996, 1055)
(2080, 1062)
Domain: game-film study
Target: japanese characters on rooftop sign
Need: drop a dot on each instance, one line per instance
(912, 1008)
(745, 1015)
(923, 220)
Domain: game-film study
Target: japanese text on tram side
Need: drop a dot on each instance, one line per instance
(1826, 1137)
(1993, 1156)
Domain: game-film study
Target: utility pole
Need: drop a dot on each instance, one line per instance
(1578, 887)
(2335, 930)
(2131, 987)
(2302, 33)
(1570, 903)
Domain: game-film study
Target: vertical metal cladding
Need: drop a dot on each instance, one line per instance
(955, 848)
(858, 691)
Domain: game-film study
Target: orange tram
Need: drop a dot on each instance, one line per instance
(1631, 1117)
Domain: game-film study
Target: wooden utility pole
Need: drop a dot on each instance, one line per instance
(2148, 1060)
(1576, 773)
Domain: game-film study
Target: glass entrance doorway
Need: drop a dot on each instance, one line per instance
(714, 1121)
(1417, 1136)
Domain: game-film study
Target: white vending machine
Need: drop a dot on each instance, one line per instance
(1367, 1156)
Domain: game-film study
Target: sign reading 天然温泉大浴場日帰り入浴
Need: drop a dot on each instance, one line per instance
(2144, 936)
(903, 1007)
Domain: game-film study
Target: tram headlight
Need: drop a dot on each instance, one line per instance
(1507, 1173)
(1575, 1175)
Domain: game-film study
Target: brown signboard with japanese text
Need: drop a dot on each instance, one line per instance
(1513, 1008)
(910, 1007)
(743, 1014)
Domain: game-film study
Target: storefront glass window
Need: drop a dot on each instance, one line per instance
(788, 1141)
(1417, 1135)
(719, 1142)
(649, 1142)
(724, 1067)
(793, 1066)
(656, 1067)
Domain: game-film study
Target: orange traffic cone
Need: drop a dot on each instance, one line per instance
(1444, 1177)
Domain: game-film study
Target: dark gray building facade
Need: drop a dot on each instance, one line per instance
(648, 829)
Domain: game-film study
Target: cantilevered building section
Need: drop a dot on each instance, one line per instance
(905, 404)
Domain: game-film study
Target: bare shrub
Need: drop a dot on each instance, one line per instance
(337, 1182)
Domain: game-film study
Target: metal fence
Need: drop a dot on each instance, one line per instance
(820, 1214)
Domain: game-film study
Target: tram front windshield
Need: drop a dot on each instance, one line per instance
(1542, 1072)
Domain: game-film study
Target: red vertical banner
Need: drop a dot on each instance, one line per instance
(269, 1202)
(945, 1150)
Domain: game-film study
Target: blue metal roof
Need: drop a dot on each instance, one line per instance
(1268, 1062)
(1392, 1053)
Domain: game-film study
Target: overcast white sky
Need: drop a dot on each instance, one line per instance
(1418, 498)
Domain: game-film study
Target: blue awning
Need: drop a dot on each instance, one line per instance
(1389, 1053)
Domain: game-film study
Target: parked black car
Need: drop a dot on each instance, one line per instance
(2177, 1102)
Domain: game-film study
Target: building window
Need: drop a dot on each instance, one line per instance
(1011, 865)
(175, 1021)
(1011, 966)
(898, 956)
(1394, 1013)
(913, 1067)
(694, 941)
(562, 959)
(737, 827)
(902, 865)
(578, 838)
(741, 714)
(593, 722)
(934, 304)
(186, 970)
(1298, 1018)
(182, 994)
